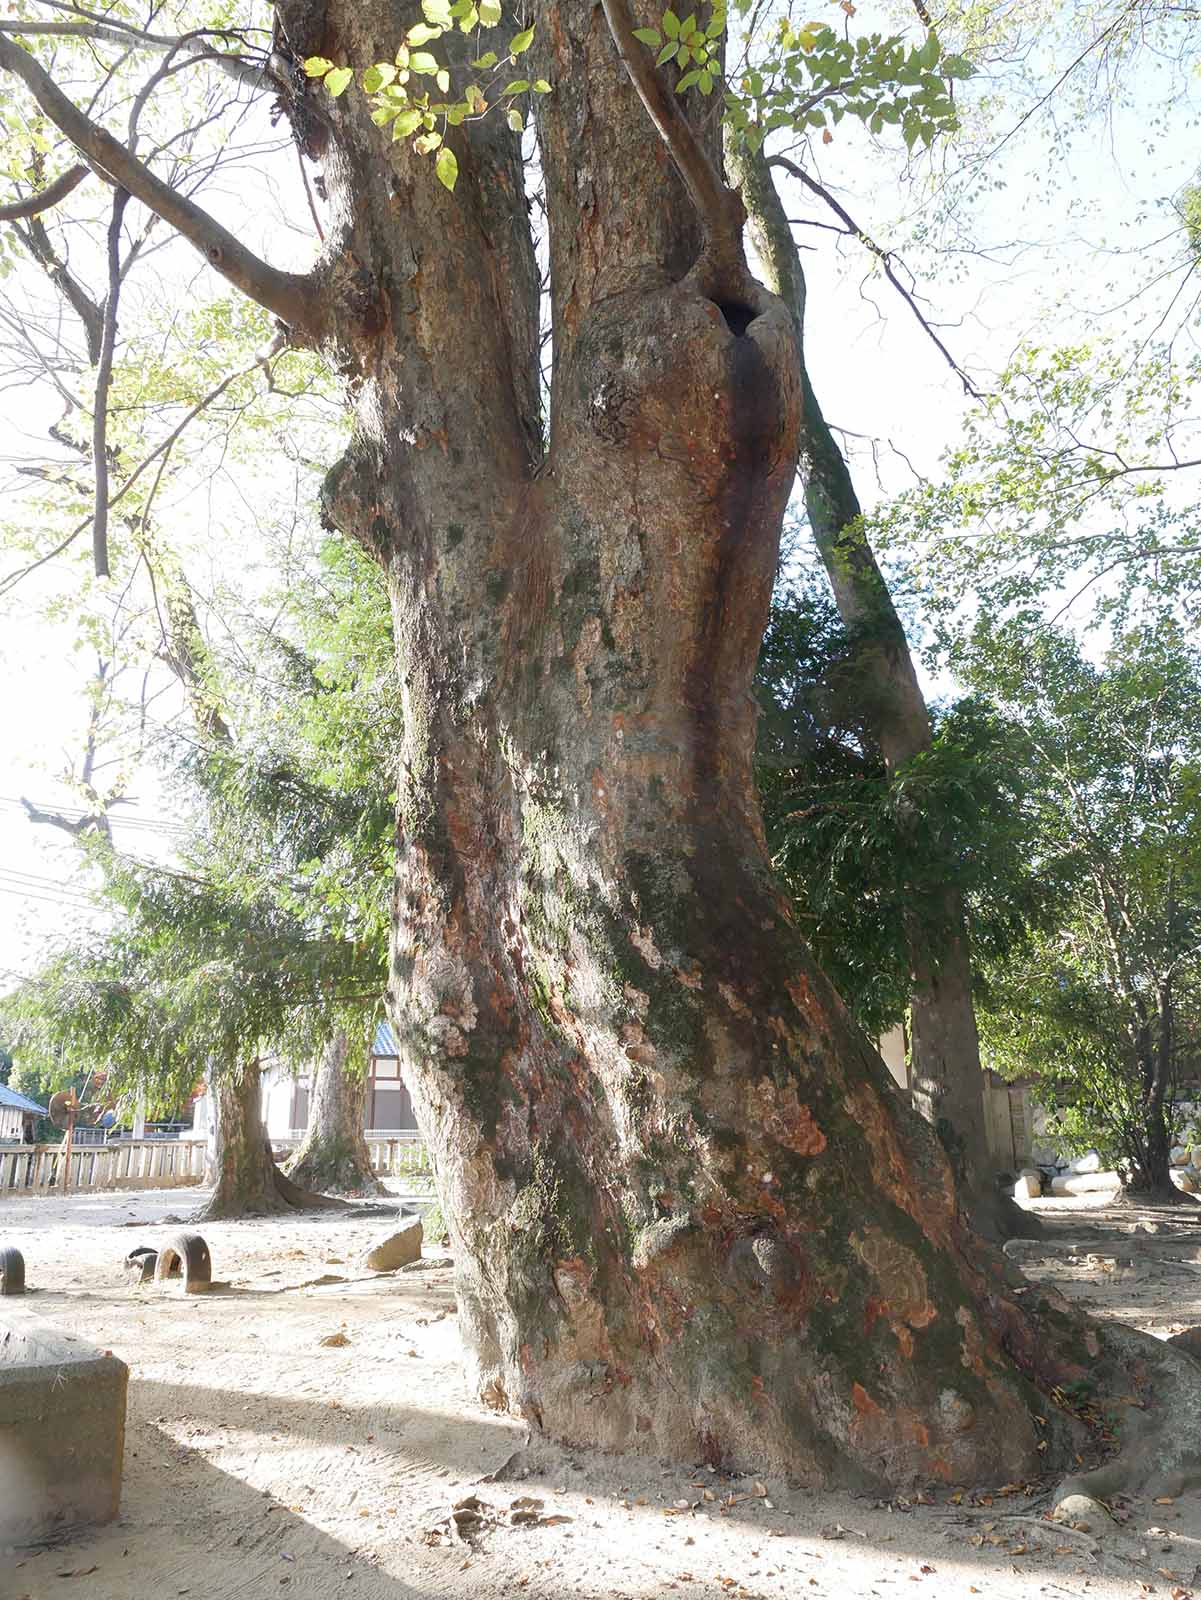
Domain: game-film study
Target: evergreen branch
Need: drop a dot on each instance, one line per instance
(291, 296)
(45, 198)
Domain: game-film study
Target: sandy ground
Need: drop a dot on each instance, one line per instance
(261, 1461)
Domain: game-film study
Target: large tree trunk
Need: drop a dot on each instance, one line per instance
(691, 1215)
(239, 1165)
(948, 1081)
(333, 1156)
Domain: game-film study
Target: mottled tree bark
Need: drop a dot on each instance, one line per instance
(944, 1049)
(333, 1157)
(690, 1213)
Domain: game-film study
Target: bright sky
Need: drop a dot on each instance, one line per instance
(1065, 244)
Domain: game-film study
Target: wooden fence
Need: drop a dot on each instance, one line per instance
(124, 1164)
(170, 1163)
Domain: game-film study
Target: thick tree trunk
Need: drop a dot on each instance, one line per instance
(948, 1081)
(333, 1157)
(240, 1167)
(691, 1214)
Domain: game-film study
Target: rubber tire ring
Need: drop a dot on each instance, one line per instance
(12, 1271)
(188, 1254)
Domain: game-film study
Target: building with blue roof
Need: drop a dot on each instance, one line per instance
(18, 1114)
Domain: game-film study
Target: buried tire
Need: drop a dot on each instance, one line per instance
(185, 1256)
(12, 1271)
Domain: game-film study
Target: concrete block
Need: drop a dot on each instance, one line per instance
(1085, 1183)
(62, 1430)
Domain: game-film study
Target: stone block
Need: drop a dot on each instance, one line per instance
(395, 1248)
(62, 1430)
(1029, 1185)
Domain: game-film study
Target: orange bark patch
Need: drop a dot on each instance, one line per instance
(862, 1401)
(785, 1119)
(933, 1209)
(900, 1276)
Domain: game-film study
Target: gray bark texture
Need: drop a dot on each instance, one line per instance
(333, 1157)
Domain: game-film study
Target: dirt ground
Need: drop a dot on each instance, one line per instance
(262, 1460)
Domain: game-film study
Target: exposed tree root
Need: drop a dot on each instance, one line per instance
(1161, 1436)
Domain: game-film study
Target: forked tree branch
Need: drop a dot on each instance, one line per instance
(720, 208)
(34, 204)
(291, 296)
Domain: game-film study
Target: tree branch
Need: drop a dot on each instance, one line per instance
(37, 241)
(884, 257)
(111, 31)
(104, 373)
(45, 198)
(720, 208)
(291, 296)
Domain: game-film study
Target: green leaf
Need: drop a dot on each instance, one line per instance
(422, 33)
(486, 61)
(422, 61)
(442, 79)
(379, 76)
(687, 81)
(667, 53)
(468, 20)
(317, 66)
(541, 86)
(521, 42)
(705, 83)
(383, 116)
(518, 86)
(671, 24)
(515, 120)
(649, 36)
(929, 53)
(447, 167)
(337, 80)
(490, 13)
(437, 13)
(406, 123)
(427, 143)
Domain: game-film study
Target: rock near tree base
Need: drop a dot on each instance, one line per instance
(395, 1248)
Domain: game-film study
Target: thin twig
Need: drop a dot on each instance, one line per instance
(884, 257)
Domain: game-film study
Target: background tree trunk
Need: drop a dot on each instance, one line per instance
(334, 1157)
(239, 1165)
(944, 1047)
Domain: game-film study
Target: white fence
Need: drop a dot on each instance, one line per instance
(170, 1163)
(393, 1155)
(124, 1164)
